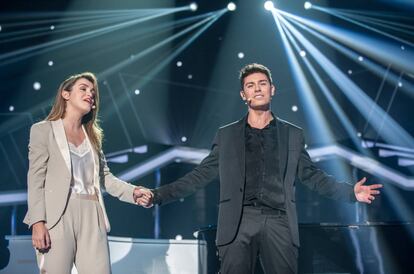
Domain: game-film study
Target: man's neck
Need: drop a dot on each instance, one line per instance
(259, 118)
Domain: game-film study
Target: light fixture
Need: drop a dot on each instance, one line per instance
(307, 5)
(193, 6)
(268, 5)
(231, 6)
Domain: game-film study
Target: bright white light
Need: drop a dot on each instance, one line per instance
(359, 134)
(137, 92)
(268, 5)
(360, 58)
(306, 146)
(52, 27)
(231, 6)
(0, 27)
(307, 5)
(50, 63)
(400, 84)
(294, 108)
(240, 55)
(11, 108)
(349, 71)
(193, 7)
(183, 139)
(178, 237)
(179, 64)
(302, 53)
(37, 85)
(190, 76)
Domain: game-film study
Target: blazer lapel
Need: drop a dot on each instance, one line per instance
(60, 137)
(283, 147)
(95, 158)
(240, 144)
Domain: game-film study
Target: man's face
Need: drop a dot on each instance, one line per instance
(257, 91)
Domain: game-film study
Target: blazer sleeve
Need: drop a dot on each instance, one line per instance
(198, 178)
(113, 185)
(317, 180)
(36, 176)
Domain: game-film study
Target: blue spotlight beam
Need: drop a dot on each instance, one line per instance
(21, 54)
(315, 120)
(331, 100)
(393, 132)
(117, 67)
(347, 18)
(384, 51)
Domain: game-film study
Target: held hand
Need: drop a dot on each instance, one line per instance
(143, 197)
(366, 194)
(40, 236)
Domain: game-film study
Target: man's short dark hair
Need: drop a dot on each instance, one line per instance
(254, 68)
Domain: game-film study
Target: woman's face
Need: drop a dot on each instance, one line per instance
(81, 98)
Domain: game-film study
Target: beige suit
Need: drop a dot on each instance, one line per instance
(50, 174)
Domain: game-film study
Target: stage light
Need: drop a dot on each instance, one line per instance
(359, 134)
(231, 6)
(302, 53)
(360, 58)
(37, 85)
(307, 5)
(193, 6)
(179, 64)
(0, 27)
(400, 84)
(183, 139)
(240, 55)
(11, 108)
(190, 76)
(349, 71)
(52, 27)
(50, 63)
(137, 92)
(268, 5)
(294, 108)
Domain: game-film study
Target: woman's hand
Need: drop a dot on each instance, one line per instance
(40, 236)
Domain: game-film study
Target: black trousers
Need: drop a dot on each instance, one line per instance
(263, 234)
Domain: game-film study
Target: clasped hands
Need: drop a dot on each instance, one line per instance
(143, 197)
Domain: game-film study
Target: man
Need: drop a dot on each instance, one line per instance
(258, 160)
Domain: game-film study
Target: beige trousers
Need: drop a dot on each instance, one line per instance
(78, 238)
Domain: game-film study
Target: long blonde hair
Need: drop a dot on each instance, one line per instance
(89, 120)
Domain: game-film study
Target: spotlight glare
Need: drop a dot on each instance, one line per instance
(183, 139)
(190, 76)
(52, 27)
(307, 5)
(302, 53)
(50, 63)
(179, 64)
(193, 6)
(359, 134)
(294, 108)
(0, 27)
(400, 84)
(360, 58)
(240, 55)
(11, 108)
(137, 92)
(36, 85)
(268, 5)
(349, 71)
(231, 6)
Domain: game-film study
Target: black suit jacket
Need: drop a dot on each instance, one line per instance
(227, 159)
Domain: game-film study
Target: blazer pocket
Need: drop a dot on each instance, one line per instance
(224, 201)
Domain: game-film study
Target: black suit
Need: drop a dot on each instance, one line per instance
(227, 159)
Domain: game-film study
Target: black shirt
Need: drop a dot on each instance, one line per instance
(263, 181)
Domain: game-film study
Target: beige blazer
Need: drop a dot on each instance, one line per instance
(50, 173)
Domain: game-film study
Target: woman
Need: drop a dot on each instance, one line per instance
(67, 170)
